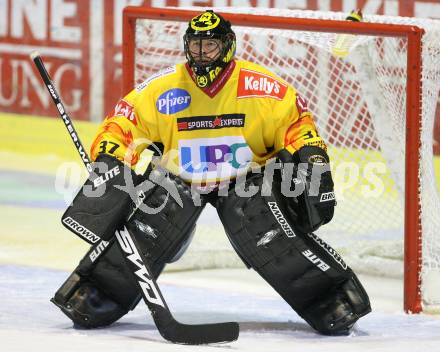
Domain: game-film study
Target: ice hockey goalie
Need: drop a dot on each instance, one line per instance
(227, 132)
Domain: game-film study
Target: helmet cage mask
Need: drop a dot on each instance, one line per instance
(206, 71)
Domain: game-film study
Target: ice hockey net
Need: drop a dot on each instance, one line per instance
(374, 105)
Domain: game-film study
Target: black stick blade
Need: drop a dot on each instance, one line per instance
(201, 334)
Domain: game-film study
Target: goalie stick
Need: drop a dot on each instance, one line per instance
(168, 327)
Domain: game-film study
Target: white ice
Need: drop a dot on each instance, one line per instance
(29, 322)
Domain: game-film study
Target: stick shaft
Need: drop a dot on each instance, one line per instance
(61, 110)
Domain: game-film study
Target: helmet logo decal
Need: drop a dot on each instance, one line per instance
(230, 53)
(202, 81)
(214, 73)
(205, 22)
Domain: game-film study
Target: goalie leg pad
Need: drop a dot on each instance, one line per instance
(103, 295)
(303, 269)
(85, 305)
(338, 311)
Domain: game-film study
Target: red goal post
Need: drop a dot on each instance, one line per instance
(413, 36)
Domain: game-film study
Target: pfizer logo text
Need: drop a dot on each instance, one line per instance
(173, 101)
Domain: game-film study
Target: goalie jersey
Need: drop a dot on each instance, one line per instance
(245, 117)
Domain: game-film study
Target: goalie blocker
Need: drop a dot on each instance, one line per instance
(310, 168)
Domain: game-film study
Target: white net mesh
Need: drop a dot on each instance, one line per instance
(359, 103)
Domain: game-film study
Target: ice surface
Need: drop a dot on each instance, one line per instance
(29, 322)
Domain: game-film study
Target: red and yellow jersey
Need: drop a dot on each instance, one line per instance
(245, 117)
